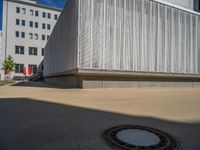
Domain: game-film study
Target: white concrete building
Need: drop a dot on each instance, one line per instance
(124, 43)
(26, 28)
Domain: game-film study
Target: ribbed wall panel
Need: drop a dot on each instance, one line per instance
(138, 35)
(61, 49)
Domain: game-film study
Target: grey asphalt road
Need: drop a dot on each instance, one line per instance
(35, 116)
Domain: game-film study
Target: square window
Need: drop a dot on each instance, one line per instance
(36, 13)
(48, 26)
(33, 51)
(19, 68)
(48, 37)
(23, 11)
(23, 34)
(30, 35)
(44, 14)
(31, 12)
(49, 15)
(17, 33)
(31, 23)
(43, 26)
(23, 23)
(36, 24)
(17, 22)
(56, 17)
(17, 10)
(19, 49)
(43, 37)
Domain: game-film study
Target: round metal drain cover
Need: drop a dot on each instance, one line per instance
(138, 138)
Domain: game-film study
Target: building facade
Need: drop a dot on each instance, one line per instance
(124, 43)
(26, 28)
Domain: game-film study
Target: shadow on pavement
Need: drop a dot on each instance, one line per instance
(27, 124)
(37, 84)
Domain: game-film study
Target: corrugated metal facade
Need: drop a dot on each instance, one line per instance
(61, 49)
(125, 35)
(138, 35)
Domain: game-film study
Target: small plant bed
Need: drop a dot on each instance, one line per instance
(2, 83)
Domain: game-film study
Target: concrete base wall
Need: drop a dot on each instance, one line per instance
(87, 82)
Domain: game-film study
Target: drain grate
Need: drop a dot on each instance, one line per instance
(129, 137)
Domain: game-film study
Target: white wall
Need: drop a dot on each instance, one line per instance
(9, 28)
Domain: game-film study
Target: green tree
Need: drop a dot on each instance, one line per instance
(8, 65)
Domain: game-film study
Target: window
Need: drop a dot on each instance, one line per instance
(33, 51)
(49, 15)
(30, 35)
(36, 36)
(23, 11)
(36, 13)
(56, 17)
(23, 34)
(48, 37)
(17, 22)
(23, 23)
(43, 26)
(42, 51)
(17, 33)
(36, 24)
(17, 10)
(48, 26)
(43, 37)
(34, 68)
(19, 49)
(44, 14)
(31, 12)
(19, 68)
(31, 23)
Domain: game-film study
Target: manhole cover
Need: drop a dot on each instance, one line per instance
(138, 138)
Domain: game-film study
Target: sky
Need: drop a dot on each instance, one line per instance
(53, 3)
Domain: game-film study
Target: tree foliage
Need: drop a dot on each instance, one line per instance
(8, 65)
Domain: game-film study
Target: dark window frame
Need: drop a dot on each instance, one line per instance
(19, 50)
(49, 15)
(36, 24)
(43, 14)
(18, 10)
(37, 13)
(31, 24)
(48, 26)
(42, 52)
(17, 22)
(17, 34)
(43, 37)
(23, 35)
(23, 22)
(33, 51)
(19, 68)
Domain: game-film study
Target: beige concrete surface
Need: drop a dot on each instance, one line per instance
(39, 116)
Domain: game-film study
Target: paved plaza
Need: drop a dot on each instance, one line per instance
(37, 116)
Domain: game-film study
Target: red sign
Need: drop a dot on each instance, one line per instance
(24, 71)
(30, 71)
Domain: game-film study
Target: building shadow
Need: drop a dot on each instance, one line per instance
(27, 124)
(39, 84)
